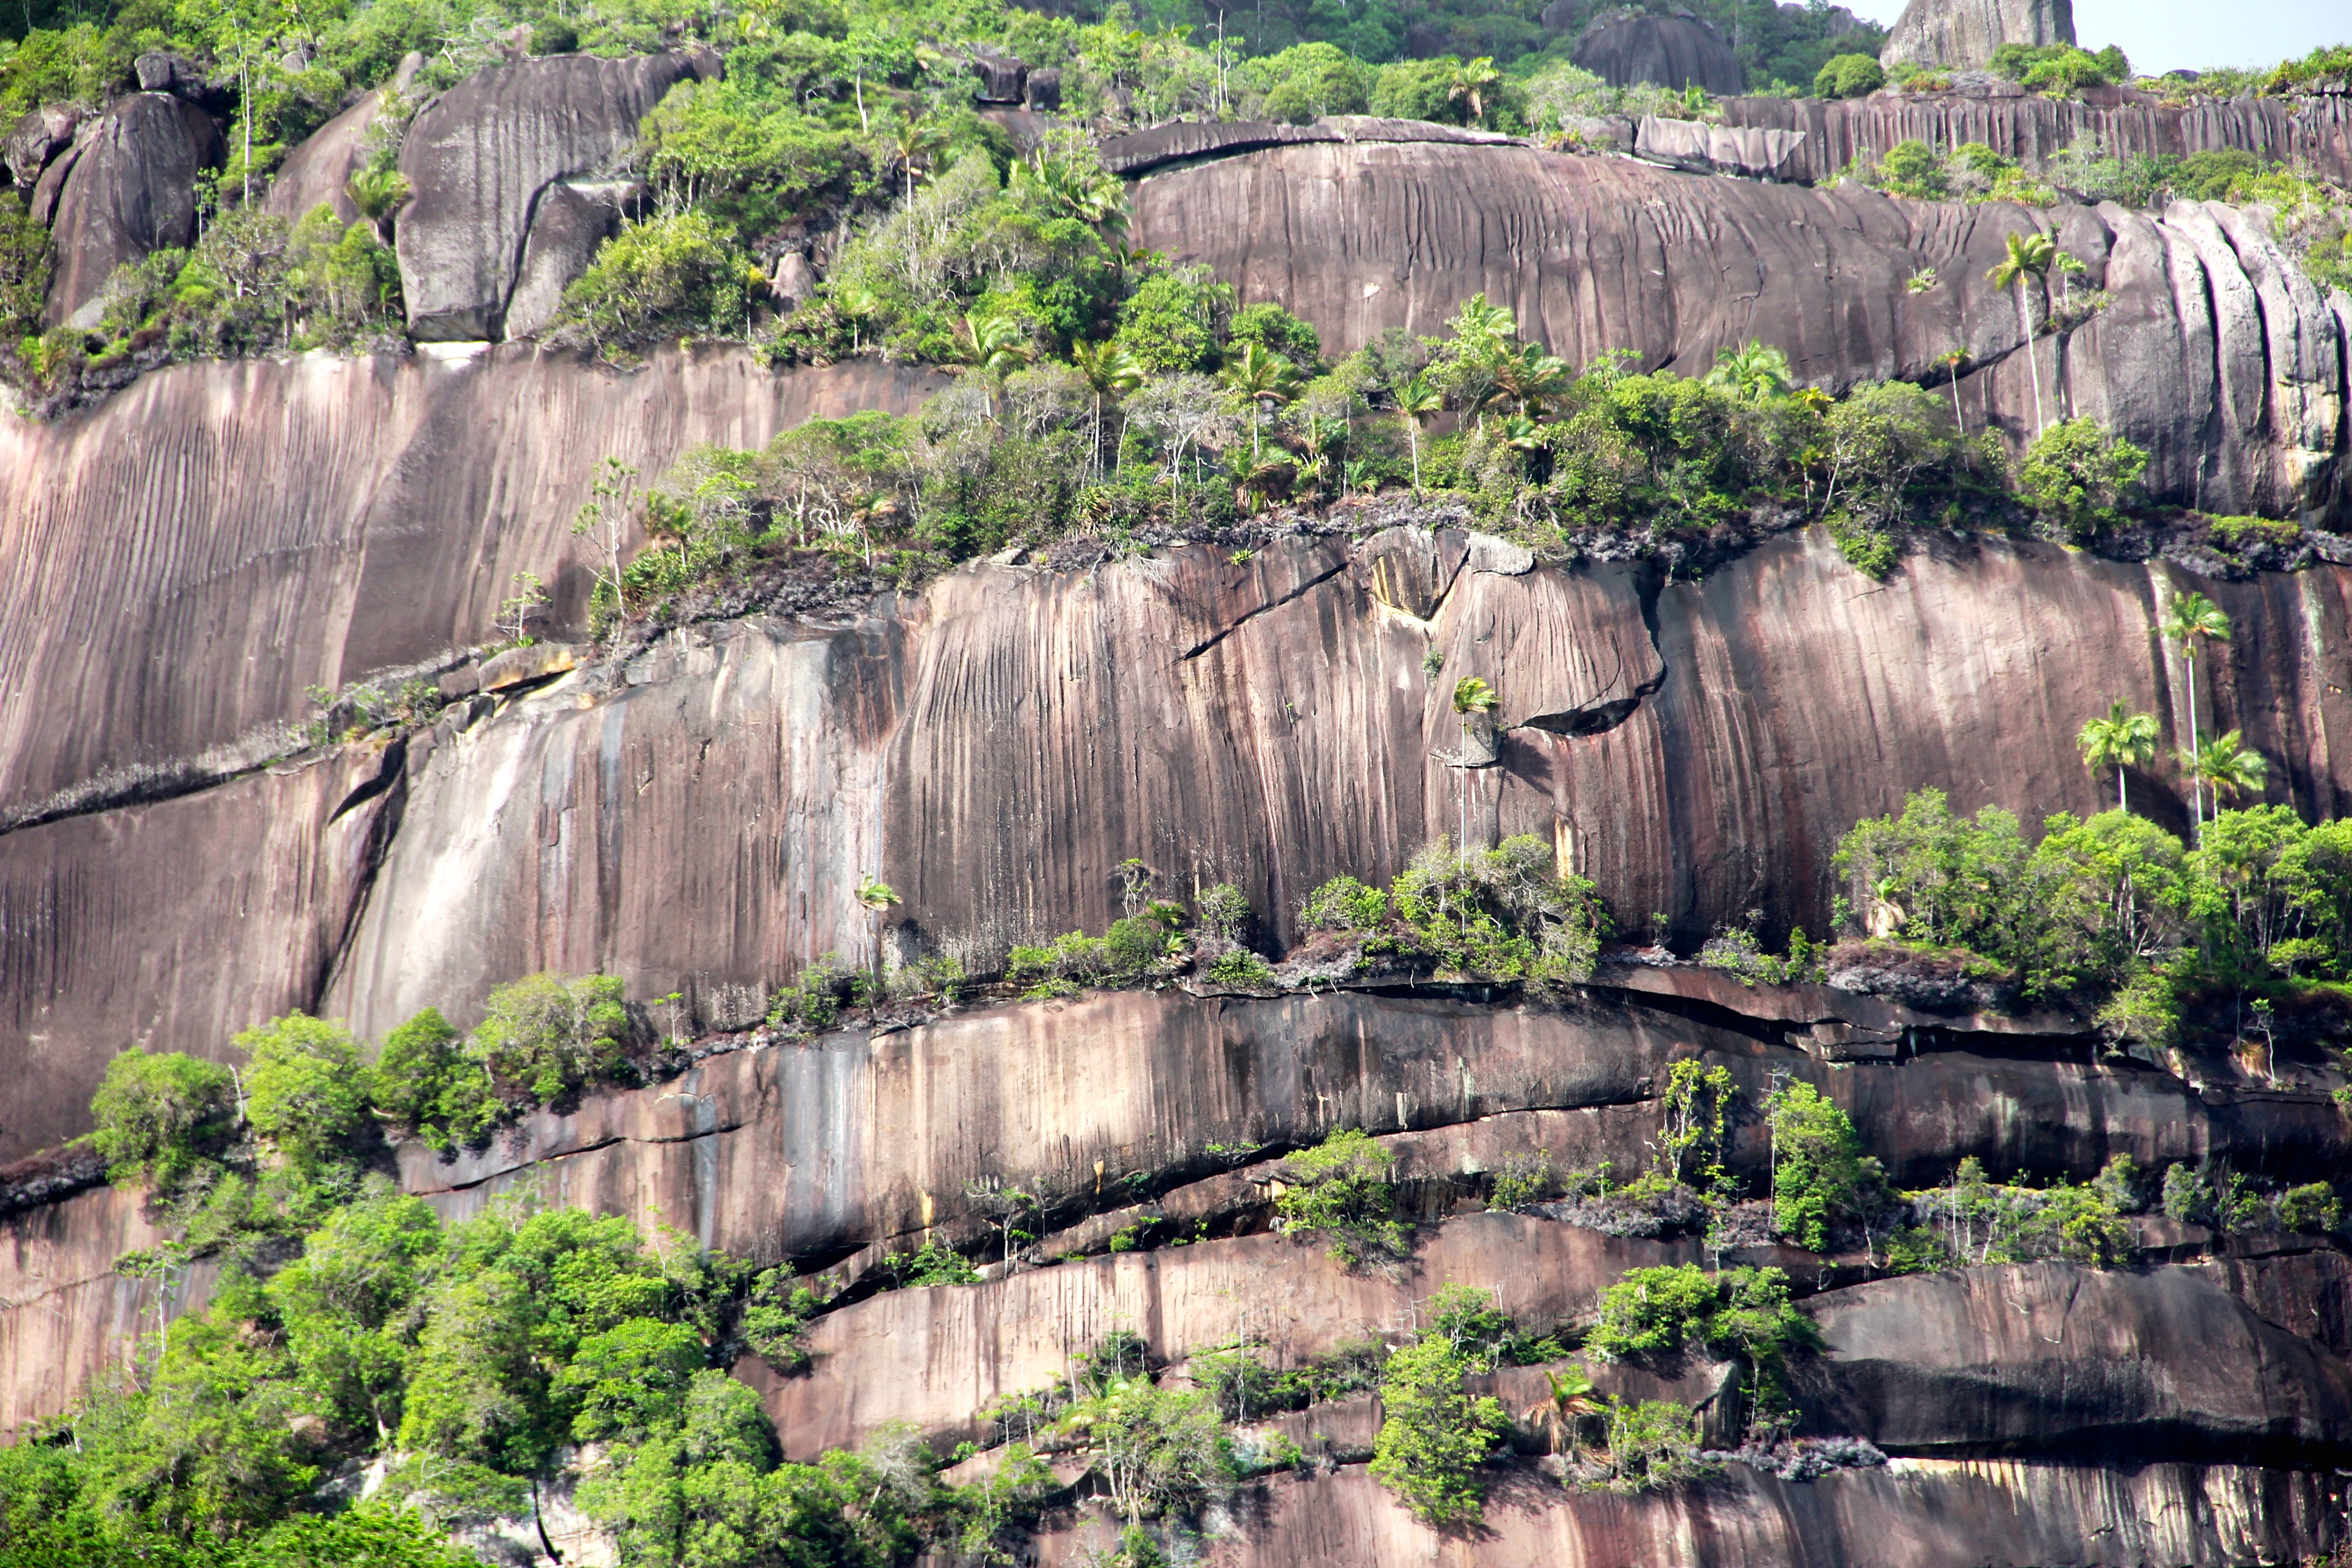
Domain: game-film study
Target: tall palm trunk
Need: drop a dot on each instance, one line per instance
(2123, 802)
(2032, 368)
(1412, 434)
(2196, 777)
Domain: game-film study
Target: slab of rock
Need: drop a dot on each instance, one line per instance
(319, 170)
(1962, 34)
(39, 136)
(478, 158)
(572, 219)
(1704, 149)
(518, 666)
(1667, 51)
(51, 186)
(131, 192)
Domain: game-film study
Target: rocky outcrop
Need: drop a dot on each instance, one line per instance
(131, 192)
(1704, 149)
(571, 219)
(220, 536)
(1593, 253)
(699, 819)
(1912, 1514)
(1677, 52)
(2313, 133)
(1961, 35)
(1181, 142)
(318, 172)
(478, 157)
(39, 136)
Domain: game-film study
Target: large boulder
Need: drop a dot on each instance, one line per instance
(132, 191)
(1669, 51)
(574, 217)
(1963, 34)
(318, 171)
(39, 136)
(478, 157)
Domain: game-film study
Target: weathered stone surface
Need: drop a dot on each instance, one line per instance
(1592, 254)
(572, 219)
(2314, 132)
(189, 556)
(318, 172)
(1963, 34)
(1670, 51)
(518, 666)
(2053, 1358)
(39, 136)
(1912, 1514)
(1140, 153)
(478, 158)
(1706, 149)
(116, 928)
(132, 191)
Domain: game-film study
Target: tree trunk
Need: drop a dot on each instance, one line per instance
(2033, 369)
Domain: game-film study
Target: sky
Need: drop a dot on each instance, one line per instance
(2173, 35)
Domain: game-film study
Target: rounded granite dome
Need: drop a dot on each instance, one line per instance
(1671, 51)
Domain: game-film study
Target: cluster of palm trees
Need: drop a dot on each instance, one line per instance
(2124, 739)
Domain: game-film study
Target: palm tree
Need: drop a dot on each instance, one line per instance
(1557, 1419)
(1952, 361)
(1112, 371)
(1417, 398)
(1527, 377)
(1753, 374)
(875, 896)
(1263, 377)
(2229, 765)
(1477, 323)
(913, 140)
(2122, 739)
(2029, 255)
(2194, 615)
(995, 347)
(1469, 83)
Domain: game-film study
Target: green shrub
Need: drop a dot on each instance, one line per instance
(1344, 904)
(662, 277)
(1340, 1190)
(1651, 1443)
(1271, 327)
(1521, 1179)
(548, 1035)
(1242, 967)
(1849, 76)
(1308, 80)
(162, 1119)
(1500, 913)
(1172, 319)
(2314, 1209)
(931, 1264)
(1433, 1435)
(1652, 1311)
(2076, 477)
(305, 1090)
(1820, 1174)
(1912, 169)
(414, 1069)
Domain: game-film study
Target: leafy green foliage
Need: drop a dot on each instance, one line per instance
(305, 1091)
(547, 1036)
(1974, 1221)
(662, 277)
(160, 1118)
(1819, 1175)
(1502, 913)
(1434, 1435)
(2076, 477)
(1340, 1190)
(1849, 76)
(1650, 1443)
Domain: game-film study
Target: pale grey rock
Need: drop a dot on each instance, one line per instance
(1959, 33)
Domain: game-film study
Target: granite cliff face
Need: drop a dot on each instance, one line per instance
(696, 813)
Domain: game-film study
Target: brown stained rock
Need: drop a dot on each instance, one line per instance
(478, 157)
(318, 172)
(936, 1356)
(106, 921)
(1140, 153)
(1913, 1513)
(2312, 132)
(39, 136)
(1961, 35)
(2054, 1357)
(132, 191)
(1593, 253)
(535, 661)
(571, 220)
(322, 520)
(1669, 51)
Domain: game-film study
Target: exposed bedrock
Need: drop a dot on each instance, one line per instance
(187, 558)
(1912, 1514)
(2221, 361)
(1963, 34)
(129, 190)
(1671, 51)
(478, 157)
(699, 820)
(2314, 133)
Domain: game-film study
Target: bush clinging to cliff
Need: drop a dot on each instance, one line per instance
(159, 1116)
